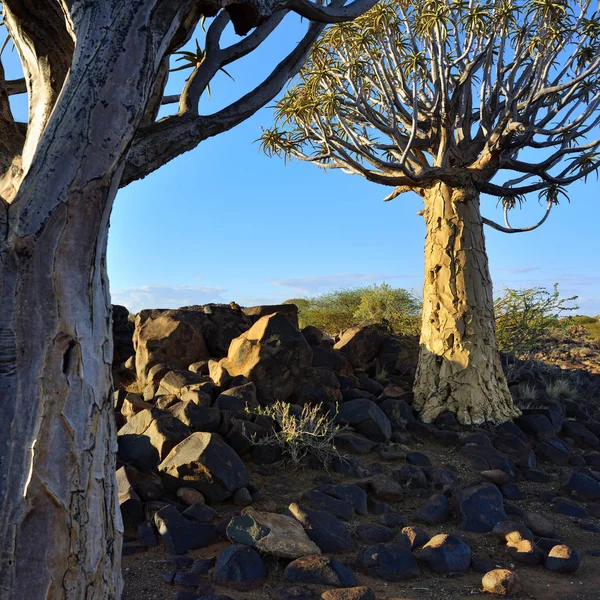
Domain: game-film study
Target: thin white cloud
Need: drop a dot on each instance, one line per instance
(165, 296)
(518, 270)
(317, 284)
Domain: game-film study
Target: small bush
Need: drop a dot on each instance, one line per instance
(300, 437)
(561, 389)
(524, 318)
(339, 310)
(526, 392)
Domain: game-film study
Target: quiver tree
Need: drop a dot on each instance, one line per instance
(94, 73)
(445, 98)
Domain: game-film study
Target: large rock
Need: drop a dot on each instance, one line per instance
(132, 509)
(229, 321)
(180, 534)
(446, 554)
(317, 386)
(203, 461)
(479, 507)
(148, 437)
(174, 337)
(271, 533)
(290, 311)
(239, 397)
(240, 567)
(324, 529)
(580, 485)
(367, 418)
(273, 354)
(360, 344)
(332, 361)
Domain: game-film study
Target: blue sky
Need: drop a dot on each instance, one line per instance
(224, 222)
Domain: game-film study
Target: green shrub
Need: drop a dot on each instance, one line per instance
(524, 318)
(339, 310)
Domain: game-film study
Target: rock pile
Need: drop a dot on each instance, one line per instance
(189, 442)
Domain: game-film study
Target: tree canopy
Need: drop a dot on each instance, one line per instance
(502, 92)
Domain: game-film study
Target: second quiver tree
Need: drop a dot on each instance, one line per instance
(454, 100)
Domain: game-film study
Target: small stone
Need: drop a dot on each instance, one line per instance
(391, 520)
(501, 582)
(435, 511)
(539, 525)
(512, 532)
(190, 496)
(356, 593)
(319, 570)
(374, 534)
(562, 559)
(201, 513)
(526, 553)
(242, 497)
(390, 562)
(496, 476)
(416, 536)
(291, 592)
(189, 579)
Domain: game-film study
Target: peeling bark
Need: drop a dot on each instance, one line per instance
(459, 367)
(60, 524)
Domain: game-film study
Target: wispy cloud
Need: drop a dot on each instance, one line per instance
(165, 296)
(518, 270)
(317, 284)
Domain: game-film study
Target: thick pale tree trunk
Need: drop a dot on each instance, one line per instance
(459, 368)
(60, 527)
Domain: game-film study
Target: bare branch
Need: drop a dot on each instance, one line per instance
(12, 87)
(329, 14)
(509, 229)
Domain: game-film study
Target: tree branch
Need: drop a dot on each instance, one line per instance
(510, 229)
(329, 14)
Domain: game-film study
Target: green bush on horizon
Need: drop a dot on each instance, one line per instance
(334, 312)
(525, 317)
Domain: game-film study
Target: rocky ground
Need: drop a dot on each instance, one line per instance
(401, 510)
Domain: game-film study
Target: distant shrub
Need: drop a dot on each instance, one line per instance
(336, 311)
(524, 318)
(310, 434)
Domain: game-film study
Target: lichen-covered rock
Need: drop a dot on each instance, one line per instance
(271, 533)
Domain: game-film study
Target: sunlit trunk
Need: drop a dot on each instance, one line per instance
(459, 368)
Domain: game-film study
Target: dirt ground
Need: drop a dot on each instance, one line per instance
(143, 572)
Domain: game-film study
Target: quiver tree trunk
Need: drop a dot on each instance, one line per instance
(459, 367)
(60, 525)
